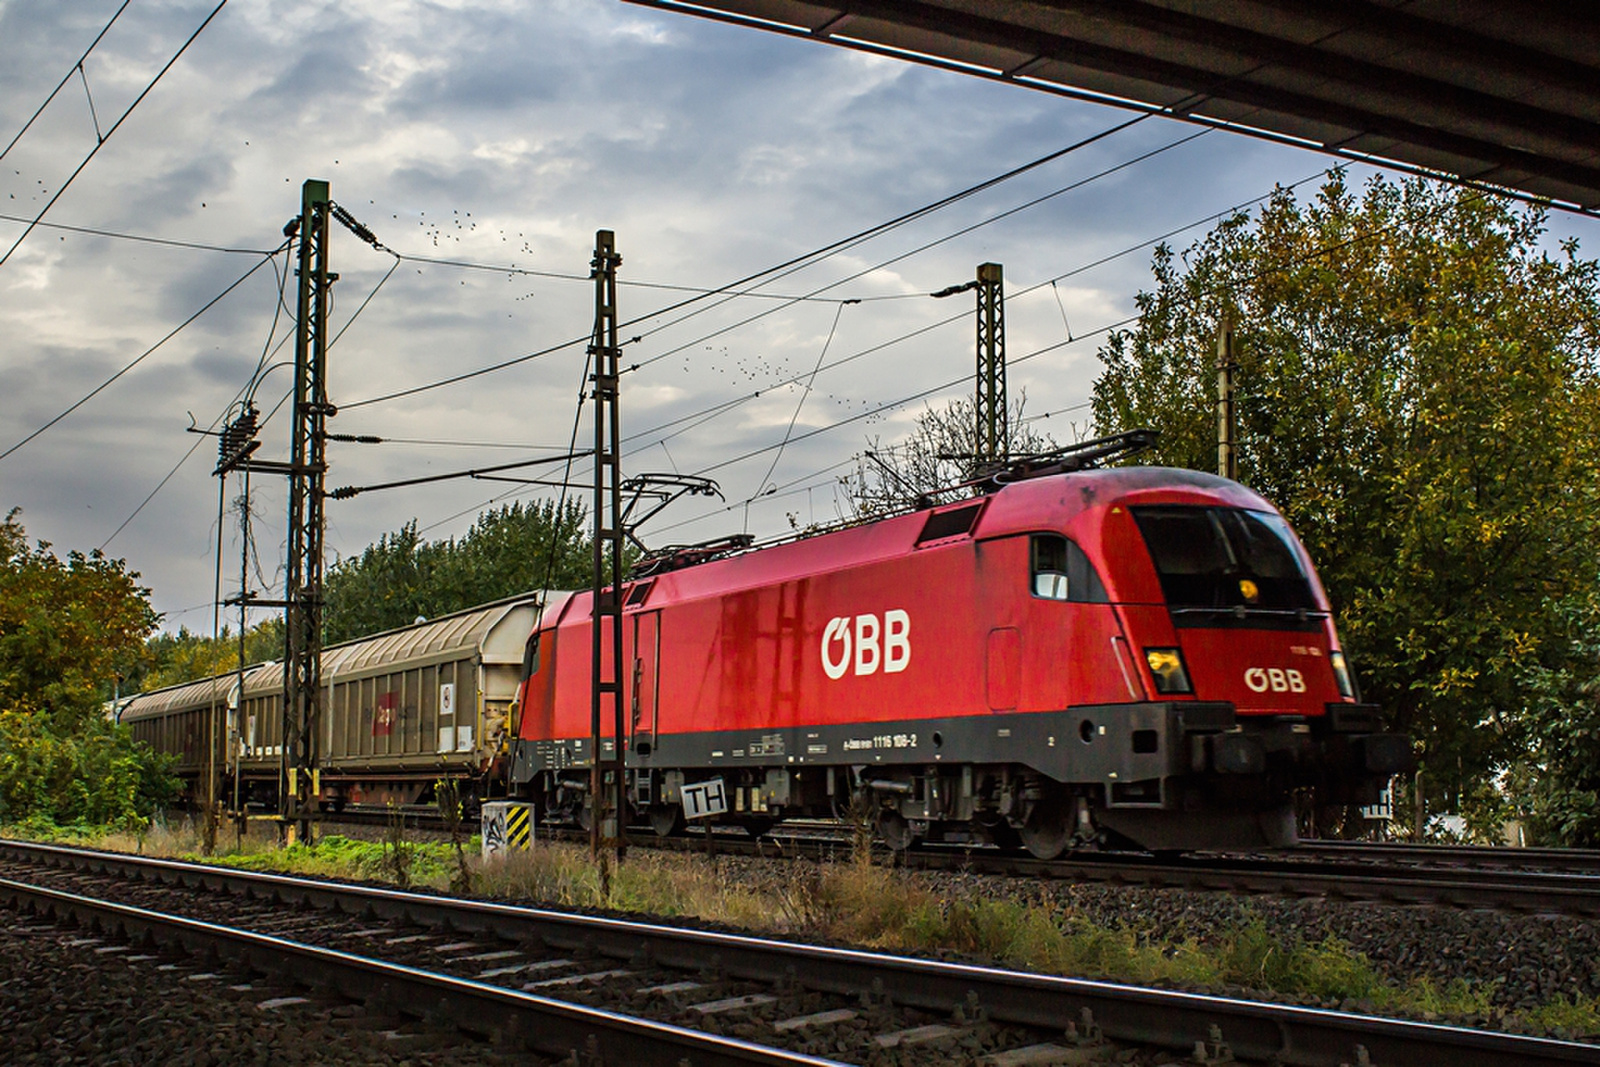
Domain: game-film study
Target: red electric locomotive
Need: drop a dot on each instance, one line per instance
(1135, 655)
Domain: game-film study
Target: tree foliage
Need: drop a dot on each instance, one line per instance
(935, 455)
(186, 656)
(67, 627)
(1559, 779)
(508, 550)
(1417, 390)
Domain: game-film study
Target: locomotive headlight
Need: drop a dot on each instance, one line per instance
(1341, 675)
(1166, 664)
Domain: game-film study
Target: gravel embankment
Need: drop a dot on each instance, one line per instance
(62, 1002)
(1522, 961)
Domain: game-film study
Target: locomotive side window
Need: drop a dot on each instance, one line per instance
(1225, 558)
(1061, 571)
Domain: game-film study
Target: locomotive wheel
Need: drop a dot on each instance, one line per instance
(758, 827)
(1001, 834)
(894, 830)
(666, 819)
(1047, 831)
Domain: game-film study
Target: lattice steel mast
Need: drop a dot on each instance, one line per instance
(992, 447)
(607, 777)
(302, 675)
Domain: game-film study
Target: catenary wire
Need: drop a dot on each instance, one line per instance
(699, 417)
(141, 357)
(789, 301)
(704, 415)
(1108, 328)
(1311, 253)
(107, 136)
(76, 68)
(776, 271)
(914, 251)
(141, 238)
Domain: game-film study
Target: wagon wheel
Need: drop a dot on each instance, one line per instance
(666, 819)
(1047, 831)
(1001, 834)
(894, 830)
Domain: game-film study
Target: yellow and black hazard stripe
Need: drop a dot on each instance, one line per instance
(519, 825)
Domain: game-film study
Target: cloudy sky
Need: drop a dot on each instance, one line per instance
(502, 134)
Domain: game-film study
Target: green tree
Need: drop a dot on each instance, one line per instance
(186, 656)
(67, 627)
(507, 551)
(1559, 781)
(1417, 392)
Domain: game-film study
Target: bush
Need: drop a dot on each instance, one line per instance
(97, 775)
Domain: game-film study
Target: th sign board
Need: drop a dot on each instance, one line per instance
(704, 798)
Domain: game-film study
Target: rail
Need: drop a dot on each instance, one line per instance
(1253, 1031)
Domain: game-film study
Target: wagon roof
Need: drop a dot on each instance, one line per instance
(462, 632)
(185, 694)
(471, 630)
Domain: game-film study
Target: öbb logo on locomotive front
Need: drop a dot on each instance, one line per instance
(1261, 679)
(861, 635)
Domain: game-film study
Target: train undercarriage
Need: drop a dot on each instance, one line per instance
(1174, 778)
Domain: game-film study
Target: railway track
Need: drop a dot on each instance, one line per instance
(554, 1027)
(1530, 881)
(1572, 860)
(1398, 874)
(623, 991)
(1455, 885)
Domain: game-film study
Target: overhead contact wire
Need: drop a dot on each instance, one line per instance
(114, 126)
(779, 270)
(76, 68)
(142, 356)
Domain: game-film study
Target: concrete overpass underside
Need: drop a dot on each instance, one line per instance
(1502, 93)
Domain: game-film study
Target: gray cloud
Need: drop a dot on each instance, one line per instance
(506, 133)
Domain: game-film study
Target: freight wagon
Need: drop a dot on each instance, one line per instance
(400, 710)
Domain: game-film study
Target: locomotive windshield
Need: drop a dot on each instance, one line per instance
(1241, 562)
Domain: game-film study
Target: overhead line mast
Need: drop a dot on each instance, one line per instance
(607, 777)
(302, 674)
(993, 443)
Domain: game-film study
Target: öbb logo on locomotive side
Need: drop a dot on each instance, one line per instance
(1279, 681)
(848, 640)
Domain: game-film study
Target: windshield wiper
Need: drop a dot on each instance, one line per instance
(1244, 611)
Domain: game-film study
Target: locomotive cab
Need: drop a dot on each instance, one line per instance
(1233, 638)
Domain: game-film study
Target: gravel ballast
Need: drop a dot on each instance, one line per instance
(73, 997)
